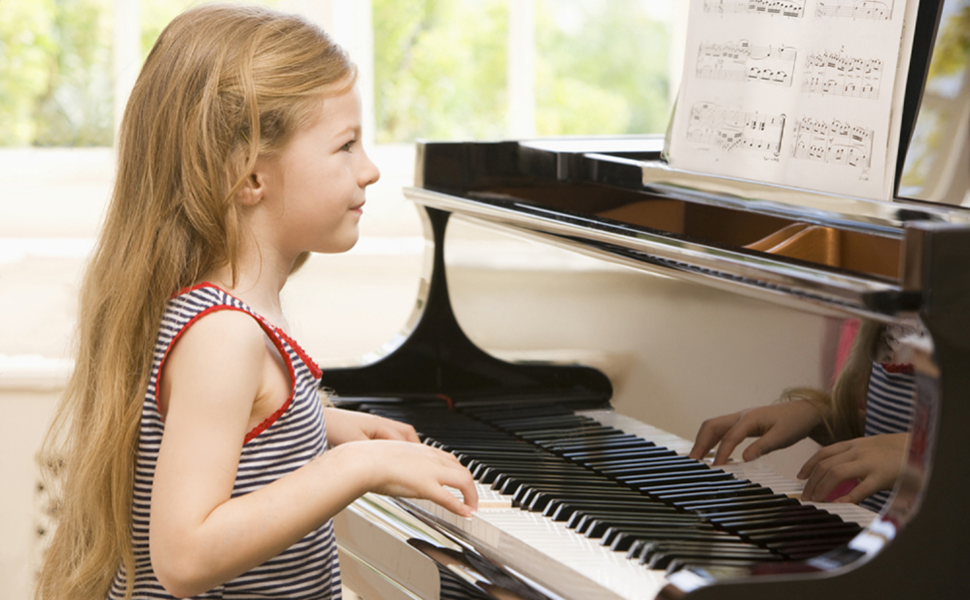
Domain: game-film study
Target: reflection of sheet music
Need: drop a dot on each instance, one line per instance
(785, 8)
(740, 61)
(855, 9)
(833, 142)
(713, 126)
(838, 74)
(749, 63)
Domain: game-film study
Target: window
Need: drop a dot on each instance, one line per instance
(445, 69)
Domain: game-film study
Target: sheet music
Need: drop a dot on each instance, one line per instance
(804, 93)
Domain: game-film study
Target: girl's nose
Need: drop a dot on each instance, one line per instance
(370, 173)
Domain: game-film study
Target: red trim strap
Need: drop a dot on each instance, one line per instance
(906, 368)
(314, 369)
(268, 421)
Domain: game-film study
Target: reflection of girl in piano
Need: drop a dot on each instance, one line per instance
(211, 477)
(863, 425)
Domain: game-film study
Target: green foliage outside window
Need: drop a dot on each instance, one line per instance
(55, 73)
(440, 68)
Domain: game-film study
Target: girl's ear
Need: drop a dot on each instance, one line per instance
(253, 189)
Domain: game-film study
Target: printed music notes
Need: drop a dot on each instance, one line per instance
(855, 9)
(838, 74)
(835, 143)
(740, 61)
(714, 127)
(785, 8)
(794, 93)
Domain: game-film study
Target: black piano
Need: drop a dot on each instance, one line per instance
(585, 491)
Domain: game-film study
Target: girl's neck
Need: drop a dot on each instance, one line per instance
(262, 294)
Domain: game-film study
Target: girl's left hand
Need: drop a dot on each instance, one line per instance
(874, 461)
(349, 426)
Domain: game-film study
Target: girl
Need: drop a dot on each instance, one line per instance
(192, 432)
(863, 425)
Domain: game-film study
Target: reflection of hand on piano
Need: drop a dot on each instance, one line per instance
(776, 426)
(875, 461)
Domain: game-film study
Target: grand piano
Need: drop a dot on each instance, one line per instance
(584, 490)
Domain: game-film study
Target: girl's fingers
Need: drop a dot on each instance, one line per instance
(747, 426)
(866, 488)
(710, 433)
(824, 453)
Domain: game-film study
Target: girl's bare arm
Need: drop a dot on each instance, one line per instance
(199, 537)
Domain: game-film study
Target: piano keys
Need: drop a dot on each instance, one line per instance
(613, 542)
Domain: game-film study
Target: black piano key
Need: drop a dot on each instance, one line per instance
(697, 486)
(620, 541)
(597, 527)
(634, 457)
(649, 484)
(643, 550)
(714, 563)
(802, 549)
(774, 500)
(760, 513)
(539, 502)
(662, 560)
(765, 523)
(797, 532)
(581, 519)
(685, 498)
(660, 465)
(593, 444)
(519, 487)
(585, 456)
(567, 511)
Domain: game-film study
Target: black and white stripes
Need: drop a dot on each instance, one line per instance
(889, 409)
(285, 441)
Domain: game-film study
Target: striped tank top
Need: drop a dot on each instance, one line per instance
(288, 439)
(889, 409)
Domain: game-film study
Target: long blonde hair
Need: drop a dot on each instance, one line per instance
(222, 85)
(842, 408)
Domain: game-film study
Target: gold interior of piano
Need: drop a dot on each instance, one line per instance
(856, 251)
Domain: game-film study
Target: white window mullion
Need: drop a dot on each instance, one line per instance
(521, 60)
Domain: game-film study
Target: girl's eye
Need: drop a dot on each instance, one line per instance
(346, 147)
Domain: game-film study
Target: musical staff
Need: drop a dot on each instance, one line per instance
(740, 61)
(836, 74)
(834, 143)
(714, 127)
(880, 10)
(785, 8)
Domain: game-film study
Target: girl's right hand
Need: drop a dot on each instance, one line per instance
(778, 425)
(412, 470)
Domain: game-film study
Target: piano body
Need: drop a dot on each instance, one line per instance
(584, 492)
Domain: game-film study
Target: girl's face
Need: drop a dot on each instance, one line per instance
(315, 188)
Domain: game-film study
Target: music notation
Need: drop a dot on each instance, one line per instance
(740, 61)
(836, 74)
(880, 10)
(785, 8)
(713, 126)
(834, 143)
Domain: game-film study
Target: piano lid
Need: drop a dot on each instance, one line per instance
(619, 198)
